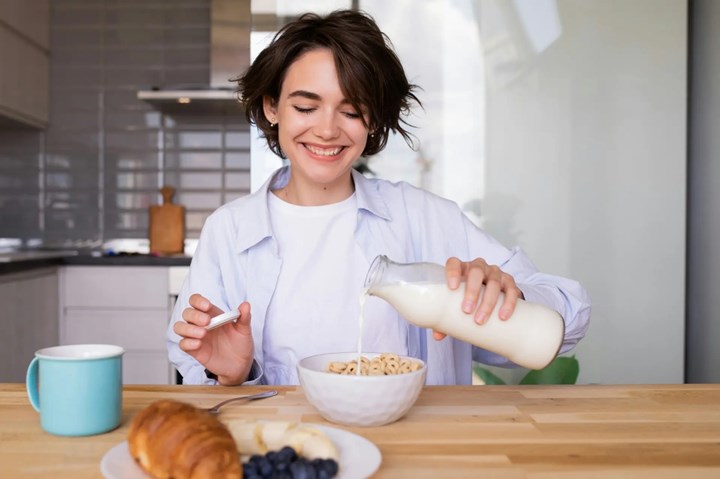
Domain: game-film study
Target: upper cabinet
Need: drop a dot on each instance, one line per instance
(24, 62)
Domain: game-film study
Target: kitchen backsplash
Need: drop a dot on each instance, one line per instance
(92, 175)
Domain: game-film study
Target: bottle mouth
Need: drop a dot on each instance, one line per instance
(376, 270)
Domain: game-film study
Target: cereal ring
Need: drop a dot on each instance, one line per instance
(391, 368)
(337, 367)
(390, 357)
(377, 362)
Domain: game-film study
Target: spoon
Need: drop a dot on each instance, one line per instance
(216, 408)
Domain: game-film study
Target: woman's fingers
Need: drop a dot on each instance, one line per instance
(195, 317)
(189, 345)
(454, 272)
(200, 303)
(512, 294)
(483, 285)
(474, 279)
(190, 329)
(201, 310)
(242, 325)
(490, 295)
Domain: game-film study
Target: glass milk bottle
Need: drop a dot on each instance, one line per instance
(531, 337)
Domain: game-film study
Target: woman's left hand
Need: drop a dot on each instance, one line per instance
(476, 274)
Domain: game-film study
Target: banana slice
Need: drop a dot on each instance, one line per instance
(248, 437)
(319, 446)
(259, 437)
(274, 433)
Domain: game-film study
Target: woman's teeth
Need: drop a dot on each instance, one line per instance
(324, 151)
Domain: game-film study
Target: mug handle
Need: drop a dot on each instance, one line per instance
(31, 384)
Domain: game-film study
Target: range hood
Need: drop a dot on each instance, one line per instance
(230, 25)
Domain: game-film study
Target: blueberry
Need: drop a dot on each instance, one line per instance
(331, 466)
(249, 468)
(255, 458)
(302, 469)
(264, 467)
(271, 456)
(325, 468)
(287, 454)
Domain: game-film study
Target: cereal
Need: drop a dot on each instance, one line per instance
(337, 367)
(382, 365)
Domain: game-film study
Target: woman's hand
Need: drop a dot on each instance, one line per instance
(227, 350)
(475, 274)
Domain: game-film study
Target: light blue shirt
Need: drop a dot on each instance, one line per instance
(237, 260)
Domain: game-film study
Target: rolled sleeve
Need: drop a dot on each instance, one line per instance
(200, 376)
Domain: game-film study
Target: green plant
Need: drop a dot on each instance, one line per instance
(562, 370)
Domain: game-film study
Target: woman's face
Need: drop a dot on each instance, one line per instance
(319, 131)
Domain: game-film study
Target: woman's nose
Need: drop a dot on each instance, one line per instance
(327, 126)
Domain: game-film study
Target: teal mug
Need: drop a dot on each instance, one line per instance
(77, 389)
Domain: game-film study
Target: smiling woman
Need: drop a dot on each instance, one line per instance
(326, 92)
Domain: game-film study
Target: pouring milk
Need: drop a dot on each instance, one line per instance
(531, 337)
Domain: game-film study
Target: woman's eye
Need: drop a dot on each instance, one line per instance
(352, 114)
(304, 110)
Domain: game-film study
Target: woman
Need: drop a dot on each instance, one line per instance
(326, 92)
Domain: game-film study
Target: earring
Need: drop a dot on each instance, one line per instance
(272, 124)
(372, 135)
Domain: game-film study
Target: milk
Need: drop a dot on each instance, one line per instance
(531, 337)
(363, 298)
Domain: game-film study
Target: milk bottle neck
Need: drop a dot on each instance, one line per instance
(384, 271)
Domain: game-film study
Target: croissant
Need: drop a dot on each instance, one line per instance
(174, 440)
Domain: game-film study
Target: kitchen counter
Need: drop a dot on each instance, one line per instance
(23, 260)
(638, 431)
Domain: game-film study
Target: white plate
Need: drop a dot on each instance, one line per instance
(359, 458)
(221, 319)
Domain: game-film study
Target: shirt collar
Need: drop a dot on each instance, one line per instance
(369, 197)
(252, 215)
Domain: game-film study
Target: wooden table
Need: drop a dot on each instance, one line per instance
(668, 431)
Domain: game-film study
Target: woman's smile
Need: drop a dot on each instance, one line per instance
(324, 152)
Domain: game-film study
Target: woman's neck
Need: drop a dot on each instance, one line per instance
(298, 192)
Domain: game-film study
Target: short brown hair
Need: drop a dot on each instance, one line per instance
(369, 72)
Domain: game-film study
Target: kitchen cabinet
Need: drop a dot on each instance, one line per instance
(24, 62)
(28, 316)
(124, 305)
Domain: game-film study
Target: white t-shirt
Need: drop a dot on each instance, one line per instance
(316, 305)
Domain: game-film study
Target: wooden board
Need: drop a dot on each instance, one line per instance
(167, 225)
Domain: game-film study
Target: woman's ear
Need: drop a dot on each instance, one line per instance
(270, 109)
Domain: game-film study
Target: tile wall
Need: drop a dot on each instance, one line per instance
(91, 176)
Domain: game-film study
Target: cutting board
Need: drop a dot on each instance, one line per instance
(167, 225)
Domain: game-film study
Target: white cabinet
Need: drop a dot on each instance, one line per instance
(24, 62)
(28, 316)
(124, 305)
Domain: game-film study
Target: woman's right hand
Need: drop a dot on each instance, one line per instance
(227, 350)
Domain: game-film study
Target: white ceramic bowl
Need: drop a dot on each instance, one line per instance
(358, 400)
